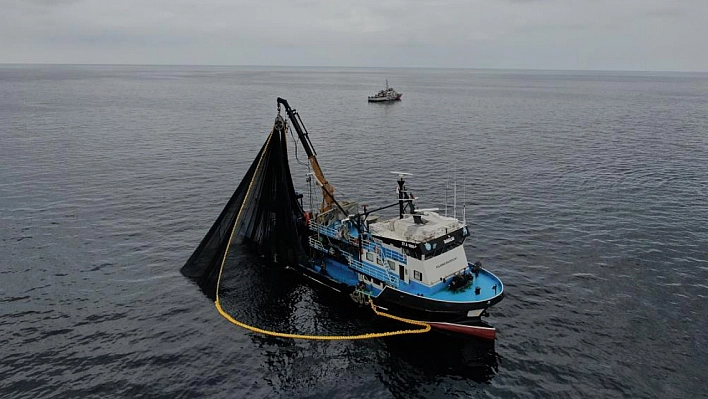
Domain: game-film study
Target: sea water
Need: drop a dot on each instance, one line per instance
(585, 192)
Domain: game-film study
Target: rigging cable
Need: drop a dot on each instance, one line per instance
(307, 164)
(309, 171)
(295, 145)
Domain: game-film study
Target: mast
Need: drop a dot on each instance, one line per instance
(327, 189)
(404, 198)
(401, 189)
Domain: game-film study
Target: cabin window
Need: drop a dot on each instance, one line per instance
(391, 265)
(417, 275)
(379, 261)
(369, 256)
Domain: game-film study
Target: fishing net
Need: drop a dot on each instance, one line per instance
(263, 215)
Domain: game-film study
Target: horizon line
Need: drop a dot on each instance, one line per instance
(358, 67)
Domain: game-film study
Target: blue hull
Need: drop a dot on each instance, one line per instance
(412, 300)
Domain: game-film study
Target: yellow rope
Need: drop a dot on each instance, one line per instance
(222, 312)
(426, 328)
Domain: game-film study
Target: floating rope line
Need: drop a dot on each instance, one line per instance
(425, 326)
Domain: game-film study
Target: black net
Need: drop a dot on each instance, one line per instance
(263, 215)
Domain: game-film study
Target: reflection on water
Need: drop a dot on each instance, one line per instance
(437, 354)
(280, 300)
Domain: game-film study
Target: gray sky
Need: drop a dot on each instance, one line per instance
(666, 35)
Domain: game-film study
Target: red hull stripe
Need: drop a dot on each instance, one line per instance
(477, 331)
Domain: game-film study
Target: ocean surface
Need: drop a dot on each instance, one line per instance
(586, 193)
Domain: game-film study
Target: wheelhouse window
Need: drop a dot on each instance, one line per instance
(417, 275)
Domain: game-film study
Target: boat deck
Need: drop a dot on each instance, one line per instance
(485, 281)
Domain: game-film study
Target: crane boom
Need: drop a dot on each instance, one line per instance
(327, 189)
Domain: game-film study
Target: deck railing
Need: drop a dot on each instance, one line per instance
(332, 232)
(317, 245)
(329, 231)
(377, 272)
(385, 252)
(374, 271)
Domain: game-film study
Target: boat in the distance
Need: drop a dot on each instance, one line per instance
(385, 95)
(413, 265)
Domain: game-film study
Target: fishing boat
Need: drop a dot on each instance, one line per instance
(386, 95)
(413, 265)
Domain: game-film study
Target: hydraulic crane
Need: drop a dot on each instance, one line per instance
(327, 190)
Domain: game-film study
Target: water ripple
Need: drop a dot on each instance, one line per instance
(585, 192)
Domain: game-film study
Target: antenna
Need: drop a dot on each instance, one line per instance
(308, 179)
(447, 185)
(464, 200)
(454, 191)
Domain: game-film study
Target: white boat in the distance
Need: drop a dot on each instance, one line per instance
(385, 95)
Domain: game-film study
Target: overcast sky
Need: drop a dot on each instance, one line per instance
(664, 35)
